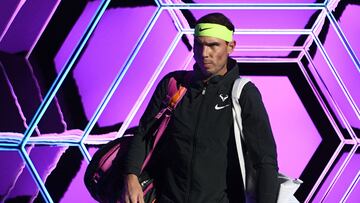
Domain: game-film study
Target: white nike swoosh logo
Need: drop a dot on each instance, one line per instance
(221, 107)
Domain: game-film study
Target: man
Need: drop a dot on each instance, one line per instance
(197, 159)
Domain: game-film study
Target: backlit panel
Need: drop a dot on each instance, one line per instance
(85, 79)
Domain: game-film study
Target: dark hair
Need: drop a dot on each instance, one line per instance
(217, 18)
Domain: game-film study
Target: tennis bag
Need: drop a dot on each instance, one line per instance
(103, 177)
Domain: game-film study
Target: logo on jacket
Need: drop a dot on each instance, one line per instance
(223, 98)
(217, 107)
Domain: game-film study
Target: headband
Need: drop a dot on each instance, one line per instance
(213, 30)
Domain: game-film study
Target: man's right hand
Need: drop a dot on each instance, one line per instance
(132, 192)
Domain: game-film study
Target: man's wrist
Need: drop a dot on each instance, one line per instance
(131, 176)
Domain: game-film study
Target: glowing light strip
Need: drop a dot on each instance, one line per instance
(343, 40)
(351, 187)
(35, 175)
(176, 2)
(264, 31)
(339, 173)
(85, 152)
(6, 145)
(350, 142)
(120, 75)
(41, 97)
(51, 167)
(13, 94)
(337, 77)
(321, 101)
(264, 60)
(179, 17)
(62, 142)
(158, 4)
(319, 21)
(187, 61)
(52, 141)
(67, 138)
(6, 148)
(301, 55)
(82, 144)
(315, 28)
(14, 181)
(63, 73)
(245, 6)
(176, 20)
(332, 4)
(42, 29)
(308, 42)
(18, 7)
(148, 86)
(324, 172)
(265, 49)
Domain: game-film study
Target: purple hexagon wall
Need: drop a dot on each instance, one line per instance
(76, 74)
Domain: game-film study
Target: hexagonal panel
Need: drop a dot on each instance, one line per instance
(282, 104)
(17, 184)
(324, 100)
(342, 177)
(62, 169)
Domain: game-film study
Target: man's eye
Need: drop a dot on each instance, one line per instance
(197, 44)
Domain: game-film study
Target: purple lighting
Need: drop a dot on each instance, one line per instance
(105, 54)
(140, 71)
(301, 54)
(348, 73)
(26, 26)
(8, 11)
(75, 34)
(337, 191)
(300, 138)
(351, 27)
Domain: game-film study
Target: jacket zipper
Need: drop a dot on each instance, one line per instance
(194, 146)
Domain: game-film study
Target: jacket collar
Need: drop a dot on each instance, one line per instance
(231, 75)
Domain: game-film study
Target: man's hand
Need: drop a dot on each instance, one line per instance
(132, 192)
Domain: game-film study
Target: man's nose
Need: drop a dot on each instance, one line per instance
(205, 51)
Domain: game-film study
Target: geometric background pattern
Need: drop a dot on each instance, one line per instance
(77, 74)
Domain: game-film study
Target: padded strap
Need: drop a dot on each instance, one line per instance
(235, 95)
(175, 95)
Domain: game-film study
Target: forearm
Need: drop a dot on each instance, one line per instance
(135, 156)
(268, 186)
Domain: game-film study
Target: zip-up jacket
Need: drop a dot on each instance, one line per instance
(196, 160)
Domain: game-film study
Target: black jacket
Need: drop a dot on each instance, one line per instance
(196, 160)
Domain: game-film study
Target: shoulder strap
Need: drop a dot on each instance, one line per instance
(175, 96)
(235, 94)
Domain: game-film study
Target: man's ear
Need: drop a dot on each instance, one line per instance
(231, 46)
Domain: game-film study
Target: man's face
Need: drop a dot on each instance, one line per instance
(211, 54)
